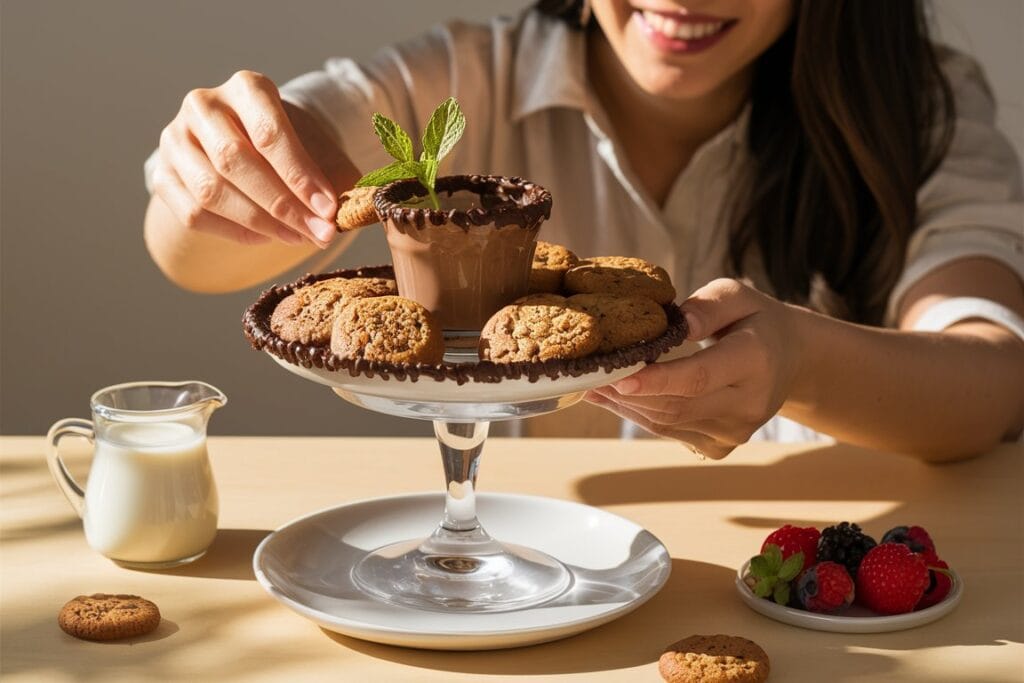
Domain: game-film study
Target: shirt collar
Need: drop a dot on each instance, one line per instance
(550, 66)
(551, 71)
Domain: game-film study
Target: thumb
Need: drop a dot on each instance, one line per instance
(717, 305)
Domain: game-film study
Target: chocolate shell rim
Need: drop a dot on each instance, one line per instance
(256, 324)
(387, 201)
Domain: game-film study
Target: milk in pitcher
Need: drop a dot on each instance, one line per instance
(151, 496)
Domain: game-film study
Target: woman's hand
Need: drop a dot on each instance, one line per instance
(715, 399)
(231, 164)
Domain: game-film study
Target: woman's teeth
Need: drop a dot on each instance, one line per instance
(670, 28)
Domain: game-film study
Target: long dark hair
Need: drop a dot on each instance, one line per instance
(850, 113)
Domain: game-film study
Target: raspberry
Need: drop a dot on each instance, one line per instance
(939, 584)
(914, 537)
(892, 579)
(825, 587)
(845, 544)
(794, 539)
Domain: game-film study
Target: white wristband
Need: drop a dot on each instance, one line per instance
(951, 311)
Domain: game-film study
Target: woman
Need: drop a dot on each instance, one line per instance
(826, 153)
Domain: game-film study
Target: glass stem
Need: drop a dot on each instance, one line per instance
(461, 444)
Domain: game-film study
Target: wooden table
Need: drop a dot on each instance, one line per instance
(219, 625)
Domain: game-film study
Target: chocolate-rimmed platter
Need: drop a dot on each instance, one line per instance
(461, 378)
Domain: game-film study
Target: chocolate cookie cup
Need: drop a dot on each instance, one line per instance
(256, 324)
(472, 256)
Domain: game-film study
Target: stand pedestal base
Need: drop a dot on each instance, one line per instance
(463, 571)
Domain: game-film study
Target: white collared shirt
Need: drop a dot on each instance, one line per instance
(523, 88)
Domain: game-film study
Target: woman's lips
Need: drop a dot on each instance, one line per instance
(679, 33)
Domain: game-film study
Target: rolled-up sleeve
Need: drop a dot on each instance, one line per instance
(972, 205)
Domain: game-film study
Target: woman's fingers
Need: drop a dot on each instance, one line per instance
(168, 186)
(230, 155)
(676, 410)
(716, 367)
(213, 193)
(258, 106)
(700, 443)
(719, 304)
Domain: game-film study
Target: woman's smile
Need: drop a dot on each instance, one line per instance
(680, 32)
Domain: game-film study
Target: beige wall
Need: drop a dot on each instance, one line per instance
(86, 87)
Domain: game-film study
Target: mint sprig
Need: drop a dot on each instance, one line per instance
(773, 574)
(443, 130)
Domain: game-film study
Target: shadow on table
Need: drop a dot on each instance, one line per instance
(839, 472)
(919, 493)
(633, 640)
(229, 556)
(154, 657)
(697, 598)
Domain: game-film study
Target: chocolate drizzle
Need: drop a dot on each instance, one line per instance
(256, 323)
(504, 201)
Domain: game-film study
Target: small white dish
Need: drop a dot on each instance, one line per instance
(616, 566)
(856, 619)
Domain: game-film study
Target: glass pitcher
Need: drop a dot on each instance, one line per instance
(150, 501)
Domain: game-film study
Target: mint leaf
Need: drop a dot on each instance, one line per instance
(444, 129)
(781, 594)
(773, 554)
(764, 588)
(426, 173)
(759, 566)
(792, 566)
(396, 141)
(398, 170)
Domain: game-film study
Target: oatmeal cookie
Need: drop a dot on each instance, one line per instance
(624, 320)
(543, 298)
(389, 329)
(356, 209)
(307, 314)
(620, 275)
(714, 659)
(538, 331)
(550, 263)
(108, 617)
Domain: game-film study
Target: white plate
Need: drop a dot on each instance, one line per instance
(856, 619)
(427, 389)
(616, 566)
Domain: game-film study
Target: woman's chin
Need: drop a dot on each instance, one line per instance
(673, 83)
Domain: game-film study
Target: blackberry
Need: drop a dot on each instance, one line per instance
(846, 544)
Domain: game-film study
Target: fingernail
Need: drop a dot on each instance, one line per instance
(320, 228)
(322, 204)
(627, 386)
(693, 325)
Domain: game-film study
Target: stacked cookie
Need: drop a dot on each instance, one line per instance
(579, 307)
(360, 317)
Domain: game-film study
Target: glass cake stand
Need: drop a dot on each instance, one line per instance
(460, 567)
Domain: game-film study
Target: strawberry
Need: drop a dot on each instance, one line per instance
(914, 537)
(825, 587)
(939, 584)
(891, 579)
(794, 539)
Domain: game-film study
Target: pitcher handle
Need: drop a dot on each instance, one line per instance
(67, 427)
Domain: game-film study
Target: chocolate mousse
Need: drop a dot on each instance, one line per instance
(472, 256)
